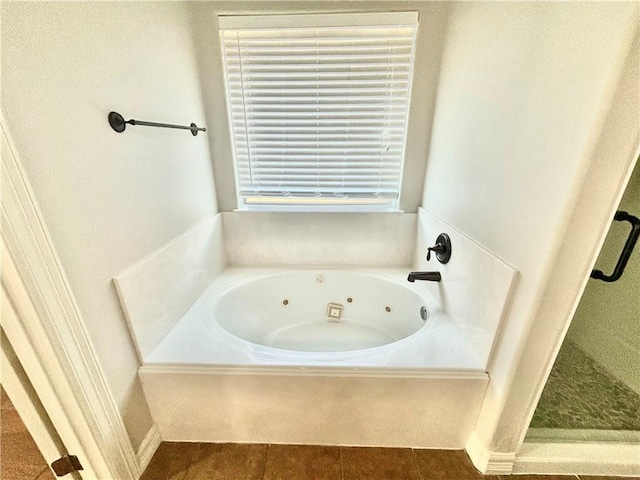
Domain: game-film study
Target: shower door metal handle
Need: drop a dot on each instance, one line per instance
(626, 251)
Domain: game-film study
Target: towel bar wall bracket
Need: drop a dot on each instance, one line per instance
(118, 123)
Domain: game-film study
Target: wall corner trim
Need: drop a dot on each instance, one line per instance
(148, 447)
(486, 461)
(53, 336)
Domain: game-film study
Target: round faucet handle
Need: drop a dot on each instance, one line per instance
(442, 248)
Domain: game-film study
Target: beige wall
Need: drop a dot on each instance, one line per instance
(607, 322)
(523, 93)
(108, 199)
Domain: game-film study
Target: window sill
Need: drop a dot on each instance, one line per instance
(312, 209)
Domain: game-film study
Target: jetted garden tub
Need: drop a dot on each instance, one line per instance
(318, 311)
(316, 355)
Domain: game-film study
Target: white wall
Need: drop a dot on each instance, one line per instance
(606, 323)
(108, 199)
(523, 92)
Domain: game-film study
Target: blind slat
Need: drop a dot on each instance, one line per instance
(338, 67)
(338, 164)
(352, 156)
(328, 122)
(328, 190)
(270, 84)
(289, 138)
(244, 50)
(231, 37)
(277, 171)
(318, 143)
(319, 60)
(342, 93)
(269, 76)
(317, 109)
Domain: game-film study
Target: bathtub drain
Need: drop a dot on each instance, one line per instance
(334, 312)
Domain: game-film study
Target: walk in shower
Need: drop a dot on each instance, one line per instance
(593, 392)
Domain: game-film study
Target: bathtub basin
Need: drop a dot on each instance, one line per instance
(320, 311)
(241, 321)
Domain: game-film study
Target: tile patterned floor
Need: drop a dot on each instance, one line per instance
(580, 394)
(207, 461)
(20, 458)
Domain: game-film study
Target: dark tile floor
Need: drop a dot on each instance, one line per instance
(211, 461)
(581, 394)
(20, 458)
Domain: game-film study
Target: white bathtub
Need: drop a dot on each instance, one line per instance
(241, 366)
(292, 311)
(258, 317)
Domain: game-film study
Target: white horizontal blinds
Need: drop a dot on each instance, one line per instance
(319, 113)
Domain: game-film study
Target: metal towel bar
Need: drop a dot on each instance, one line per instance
(118, 123)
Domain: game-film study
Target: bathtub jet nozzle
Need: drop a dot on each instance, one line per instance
(426, 276)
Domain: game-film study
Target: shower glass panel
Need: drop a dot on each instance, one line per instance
(593, 392)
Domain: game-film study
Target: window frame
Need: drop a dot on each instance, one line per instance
(365, 19)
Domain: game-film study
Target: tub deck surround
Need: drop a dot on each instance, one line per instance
(158, 293)
(159, 289)
(404, 383)
(198, 340)
(269, 239)
(477, 285)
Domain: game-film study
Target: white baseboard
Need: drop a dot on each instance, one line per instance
(615, 458)
(487, 462)
(148, 447)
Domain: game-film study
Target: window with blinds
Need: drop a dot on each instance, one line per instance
(318, 108)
